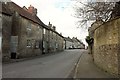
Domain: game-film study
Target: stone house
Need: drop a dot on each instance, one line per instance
(56, 40)
(68, 43)
(73, 43)
(76, 43)
(27, 29)
(81, 45)
(6, 19)
(52, 40)
(46, 39)
(26, 32)
(25, 35)
(60, 42)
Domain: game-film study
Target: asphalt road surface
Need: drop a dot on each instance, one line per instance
(58, 65)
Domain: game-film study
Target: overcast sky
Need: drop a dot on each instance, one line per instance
(59, 13)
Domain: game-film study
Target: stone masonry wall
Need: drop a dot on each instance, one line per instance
(6, 35)
(118, 22)
(30, 34)
(106, 44)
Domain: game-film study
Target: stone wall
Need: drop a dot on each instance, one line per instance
(52, 40)
(106, 46)
(29, 38)
(45, 40)
(118, 55)
(6, 35)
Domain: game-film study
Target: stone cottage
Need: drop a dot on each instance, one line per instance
(81, 45)
(56, 40)
(6, 19)
(25, 32)
(68, 43)
(25, 35)
(46, 39)
(76, 43)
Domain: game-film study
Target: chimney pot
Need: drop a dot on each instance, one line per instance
(32, 10)
(54, 28)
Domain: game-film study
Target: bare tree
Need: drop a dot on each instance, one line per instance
(90, 11)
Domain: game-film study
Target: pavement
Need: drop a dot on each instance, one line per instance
(86, 68)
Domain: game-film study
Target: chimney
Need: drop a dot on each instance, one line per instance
(54, 28)
(60, 33)
(35, 11)
(50, 25)
(32, 10)
(25, 8)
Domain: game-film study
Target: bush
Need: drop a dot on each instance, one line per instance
(89, 40)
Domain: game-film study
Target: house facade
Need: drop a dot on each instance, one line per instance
(68, 43)
(46, 39)
(80, 45)
(6, 19)
(73, 43)
(26, 32)
(55, 40)
(22, 32)
(76, 43)
(25, 35)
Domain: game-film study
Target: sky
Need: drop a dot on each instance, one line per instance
(60, 13)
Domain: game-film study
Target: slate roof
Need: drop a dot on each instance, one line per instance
(4, 9)
(14, 7)
(68, 39)
(74, 39)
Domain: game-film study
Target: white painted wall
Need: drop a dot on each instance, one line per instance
(69, 44)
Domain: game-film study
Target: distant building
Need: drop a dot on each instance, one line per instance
(68, 43)
(56, 40)
(77, 44)
(73, 43)
(52, 40)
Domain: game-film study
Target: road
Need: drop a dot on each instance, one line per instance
(58, 65)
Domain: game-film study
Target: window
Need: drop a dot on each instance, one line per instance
(37, 44)
(29, 30)
(28, 43)
(44, 31)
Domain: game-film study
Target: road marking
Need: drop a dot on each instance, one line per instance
(76, 67)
